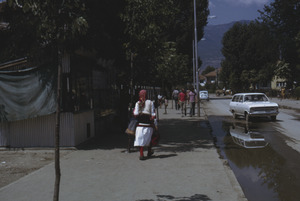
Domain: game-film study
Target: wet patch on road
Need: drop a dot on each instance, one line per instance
(196, 197)
(266, 168)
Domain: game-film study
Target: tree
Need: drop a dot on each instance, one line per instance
(55, 26)
(283, 19)
(172, 68)
(150, 25)
(250, 55)
(283, 70)
(181, 25)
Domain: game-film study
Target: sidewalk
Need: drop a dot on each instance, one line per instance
(185, 166)
(287, 103)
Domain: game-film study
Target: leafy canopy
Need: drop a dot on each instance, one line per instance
(250, 55)
(283, 20)
(150, 27)
(44, 26)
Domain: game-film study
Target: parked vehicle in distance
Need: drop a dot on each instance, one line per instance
(251, 105)
(203, 95)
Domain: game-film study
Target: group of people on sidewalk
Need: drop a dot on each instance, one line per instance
(184, 98)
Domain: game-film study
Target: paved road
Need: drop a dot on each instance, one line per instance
(257, 169)
(287, 120)
(186, 166)
(283, 103)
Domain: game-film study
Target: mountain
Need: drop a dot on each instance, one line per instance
(210, 46)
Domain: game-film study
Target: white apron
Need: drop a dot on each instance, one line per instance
(143, 136)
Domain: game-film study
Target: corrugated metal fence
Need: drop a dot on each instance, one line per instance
(75, 128)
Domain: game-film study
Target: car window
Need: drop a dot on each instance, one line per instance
(241, 99)
(254, 98)
(235, 98)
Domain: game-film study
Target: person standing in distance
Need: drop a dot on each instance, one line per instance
(175, 98)
(182, 100)
(192, 100)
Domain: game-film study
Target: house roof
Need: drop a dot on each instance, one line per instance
(211, 74)
(202, 77)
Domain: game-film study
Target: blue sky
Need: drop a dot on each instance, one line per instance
(227, 11)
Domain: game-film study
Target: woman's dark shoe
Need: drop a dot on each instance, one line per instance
(142, 158)
(150, 153)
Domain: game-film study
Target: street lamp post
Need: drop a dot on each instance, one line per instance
(131, 82)
(196, 59)
(194, 68)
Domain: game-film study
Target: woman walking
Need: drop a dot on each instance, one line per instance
(144, 111)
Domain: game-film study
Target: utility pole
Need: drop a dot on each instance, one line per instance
(131, 82)
(196, 59)
(194, 71)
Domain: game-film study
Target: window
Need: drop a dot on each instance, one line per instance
(235, 98)
(281, 84)
(253, 98)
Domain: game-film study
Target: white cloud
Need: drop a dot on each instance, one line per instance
(248, 2)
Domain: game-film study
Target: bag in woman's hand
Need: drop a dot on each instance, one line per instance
(131, 126)
(155, 138)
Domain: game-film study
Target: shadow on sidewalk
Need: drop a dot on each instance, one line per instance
(176, 135)
(182, 135)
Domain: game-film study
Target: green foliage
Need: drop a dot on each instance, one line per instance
(105, 31)
(283, 70)
(172, 68)
(283, 19)
(144, 23)
(37, 28)
(249, 52)
(150, 26)
(297, 93)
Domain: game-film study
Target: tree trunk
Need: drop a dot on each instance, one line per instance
(57, 130)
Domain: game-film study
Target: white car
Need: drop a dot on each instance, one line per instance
(203, 95)
(251, 105)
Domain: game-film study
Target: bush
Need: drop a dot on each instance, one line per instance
(297, 93)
